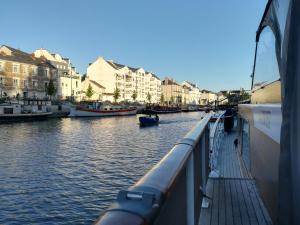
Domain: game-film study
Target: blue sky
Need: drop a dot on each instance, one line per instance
(209, 42)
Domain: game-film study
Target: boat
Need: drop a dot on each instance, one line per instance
(148, 120)
(13, 112)
(97, 109)
(161, 110)
(268, 125)
(190, 108)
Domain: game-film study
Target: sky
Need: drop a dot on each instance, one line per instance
(208, 42)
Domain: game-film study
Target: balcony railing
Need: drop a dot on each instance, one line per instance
(171, 192)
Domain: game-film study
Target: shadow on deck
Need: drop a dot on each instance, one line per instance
(234, 198)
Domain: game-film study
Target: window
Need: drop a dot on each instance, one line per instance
(62, 84)
(15, 68)
(76, 84)
(1, 66)
(15, 82)
(34, 83)
(25, 69)
(46, 85)
(46, 72)
(2, 80)
(34, 70)
(266, 70)
(25, 83)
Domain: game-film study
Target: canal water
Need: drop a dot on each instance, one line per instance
(68, 171)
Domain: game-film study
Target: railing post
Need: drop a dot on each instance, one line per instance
(190, 191)
(204, 149)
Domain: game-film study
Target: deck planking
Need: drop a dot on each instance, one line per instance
(234, 197)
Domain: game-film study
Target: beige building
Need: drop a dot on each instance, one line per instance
(127, 80)
(222, 99)
(24, 75)
(171, 91)
(186, 98)
(194, 93)
(68, 80)
(208, 97)
(98, 90)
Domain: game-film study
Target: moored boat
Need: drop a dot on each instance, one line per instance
(96, 109)
(15, 112)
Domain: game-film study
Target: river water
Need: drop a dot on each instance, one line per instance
(68, 171)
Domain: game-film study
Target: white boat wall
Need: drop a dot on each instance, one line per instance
(85, 112)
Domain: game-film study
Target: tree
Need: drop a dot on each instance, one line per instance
(116, 94)
(149, 97)
(134, 95)
(89, 91)
(172, 99)
(51, 88)
(162, 98)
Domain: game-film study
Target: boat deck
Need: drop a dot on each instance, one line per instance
(234, 196)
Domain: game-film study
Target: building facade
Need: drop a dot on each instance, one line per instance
(194, 93)
(68, 80)
(134, 84)
(171, 91)
(208, 97)
(97, 90)
(23, 75)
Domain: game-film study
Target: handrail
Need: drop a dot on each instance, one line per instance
(215, 140)
(170, 192)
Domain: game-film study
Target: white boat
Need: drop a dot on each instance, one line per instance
(96, 109)
(13, 112)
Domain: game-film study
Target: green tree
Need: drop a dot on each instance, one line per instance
(149, 97)
(172, 99)
(89, 91)
(134, 95)
(51, 89)
(116, 94)
(162, 98)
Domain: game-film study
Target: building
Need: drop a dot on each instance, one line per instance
(222, 99)
(208, 97)
(24, 75)
(194, 93)
(68, 80)
(134, 84)
(97, 89)
(186, 98)
(171, 91)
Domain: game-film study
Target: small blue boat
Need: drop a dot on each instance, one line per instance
(148, 120)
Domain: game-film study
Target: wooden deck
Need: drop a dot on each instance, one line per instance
(234, 197)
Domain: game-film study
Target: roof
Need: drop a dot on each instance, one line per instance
(23, 57)
(169, 82)
(97, 84)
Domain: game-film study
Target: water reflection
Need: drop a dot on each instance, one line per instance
(68, 171)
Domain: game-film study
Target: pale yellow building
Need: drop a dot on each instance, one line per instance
(171, 91)
(98, 90)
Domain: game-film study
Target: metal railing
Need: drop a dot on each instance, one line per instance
(171, 192)
(215, 137)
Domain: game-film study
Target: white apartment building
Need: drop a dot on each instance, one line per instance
(127, 79)
(68, 80)
(194, 93)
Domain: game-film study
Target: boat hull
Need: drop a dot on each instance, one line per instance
(146, 121)
(5, 118)
(100, 113)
